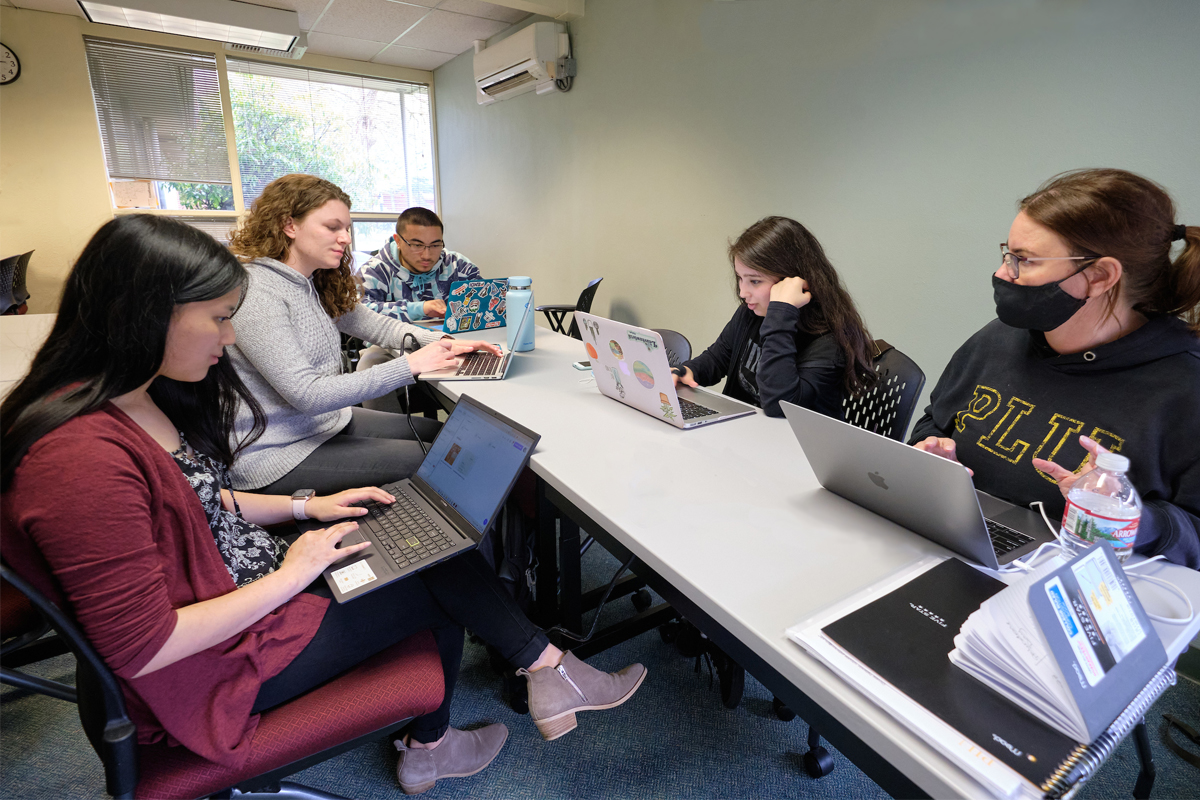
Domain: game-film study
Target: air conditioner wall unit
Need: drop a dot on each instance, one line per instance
(523, 62)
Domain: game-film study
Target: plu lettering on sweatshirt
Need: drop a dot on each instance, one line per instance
(999, 418)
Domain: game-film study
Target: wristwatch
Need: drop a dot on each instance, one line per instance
(299, 498)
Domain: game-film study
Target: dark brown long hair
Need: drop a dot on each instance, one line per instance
(261, 234)
(1111, 212)
(783, 248)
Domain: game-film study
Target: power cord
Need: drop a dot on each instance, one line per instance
(416, 345)
(596, 619)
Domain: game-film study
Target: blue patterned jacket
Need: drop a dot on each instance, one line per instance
(390, 289)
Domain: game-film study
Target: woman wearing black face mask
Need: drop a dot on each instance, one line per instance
(1092, 350)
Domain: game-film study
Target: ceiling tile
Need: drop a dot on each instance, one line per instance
(450, 33)
(307, 10)
(478, 8)
(53, 6)
(373, 20)
(424, 3)
(412, 57)
(342, 47)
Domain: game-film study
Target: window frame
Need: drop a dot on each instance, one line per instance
(239, 206)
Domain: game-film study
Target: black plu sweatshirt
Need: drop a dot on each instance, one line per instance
(1006, 398)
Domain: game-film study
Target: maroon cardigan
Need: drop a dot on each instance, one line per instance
(100, 518)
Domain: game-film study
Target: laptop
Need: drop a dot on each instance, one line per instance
(927, 494)
(630, 365)
(443, 510)
(477, 366)
(474, 305)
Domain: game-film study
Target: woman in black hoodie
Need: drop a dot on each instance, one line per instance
(1092, 351)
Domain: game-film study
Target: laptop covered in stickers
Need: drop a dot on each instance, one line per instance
(630, 366)
(475, 305)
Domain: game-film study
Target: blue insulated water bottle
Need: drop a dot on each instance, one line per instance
(518, 314)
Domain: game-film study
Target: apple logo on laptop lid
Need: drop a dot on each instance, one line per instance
(878, 480)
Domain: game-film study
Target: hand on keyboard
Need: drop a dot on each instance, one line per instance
(345, 504)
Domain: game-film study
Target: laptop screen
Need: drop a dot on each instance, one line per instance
(473, 462)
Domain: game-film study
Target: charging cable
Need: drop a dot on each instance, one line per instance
(596, 619)
(1130, 570)
(416, 345)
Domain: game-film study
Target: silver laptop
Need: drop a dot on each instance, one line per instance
(927, 494)
(630, 365)
(477, 366)
(444, 509)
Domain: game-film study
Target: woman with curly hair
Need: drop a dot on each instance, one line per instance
(301, 297)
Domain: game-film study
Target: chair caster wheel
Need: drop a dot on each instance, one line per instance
(641, 600)
(668, 631)
(782, 711)
(689, 641)
(818, 763)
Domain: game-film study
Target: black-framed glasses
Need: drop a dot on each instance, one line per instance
(1012, 262)
(434, 248)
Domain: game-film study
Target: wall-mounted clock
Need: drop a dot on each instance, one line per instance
(10, 65)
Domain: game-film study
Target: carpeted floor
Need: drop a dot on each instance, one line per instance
(674, 739)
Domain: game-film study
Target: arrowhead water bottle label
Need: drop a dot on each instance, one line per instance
(1092, 527)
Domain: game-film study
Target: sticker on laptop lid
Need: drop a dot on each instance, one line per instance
(352, 576)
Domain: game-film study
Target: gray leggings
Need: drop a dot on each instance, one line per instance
(374, 449)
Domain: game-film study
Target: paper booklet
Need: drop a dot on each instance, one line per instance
(892, 642)
(475, 305)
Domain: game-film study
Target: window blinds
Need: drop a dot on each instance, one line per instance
(371, 137)
(159, 111)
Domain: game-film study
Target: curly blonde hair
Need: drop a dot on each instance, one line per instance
(261, 234)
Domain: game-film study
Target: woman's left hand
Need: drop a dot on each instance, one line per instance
(791, 290)
(339, 506)
(1064, 477)
(469, 345)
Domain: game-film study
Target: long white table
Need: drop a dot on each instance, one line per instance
(732, 518)
(20, 337)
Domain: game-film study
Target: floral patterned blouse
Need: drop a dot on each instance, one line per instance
(249, 551)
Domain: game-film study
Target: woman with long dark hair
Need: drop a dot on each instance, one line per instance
(1092, 350)
(300, 299)
(796, 335)
(116, 502)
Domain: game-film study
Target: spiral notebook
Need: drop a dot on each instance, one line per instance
(895, 647)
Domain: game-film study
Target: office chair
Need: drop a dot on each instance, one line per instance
(556, 314)
(679, 349)
(13, 294)
(888, 408)
(23, 629)
(374, 699)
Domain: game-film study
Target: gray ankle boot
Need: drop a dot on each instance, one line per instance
(556, 693)
(460, 754)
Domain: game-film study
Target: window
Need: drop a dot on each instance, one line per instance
(167, 147)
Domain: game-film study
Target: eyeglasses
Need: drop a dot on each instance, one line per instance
(1013, 262)
(434, 248)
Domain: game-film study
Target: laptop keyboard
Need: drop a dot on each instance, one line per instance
(692, 410)
(478, 363)
(1006, 539)
(408, 534)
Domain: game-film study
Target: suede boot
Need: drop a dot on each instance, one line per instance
(460, 754)
(556, 693)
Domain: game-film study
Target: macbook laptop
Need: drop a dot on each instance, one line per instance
(477, 366)
(630, 365)
(443, 510)
(927, 494)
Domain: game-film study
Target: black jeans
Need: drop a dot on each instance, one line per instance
(461, 592)
(374, 449)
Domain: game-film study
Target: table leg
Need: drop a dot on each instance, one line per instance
(546, 581)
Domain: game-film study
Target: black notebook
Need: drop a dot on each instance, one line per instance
(906, 636)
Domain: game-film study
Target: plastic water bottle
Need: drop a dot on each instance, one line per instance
(1102, 506)
(518, 314)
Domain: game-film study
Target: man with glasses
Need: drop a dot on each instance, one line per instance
(409, 279)
(411, 275)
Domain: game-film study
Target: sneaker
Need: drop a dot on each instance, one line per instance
(460, 754)
(556, 693)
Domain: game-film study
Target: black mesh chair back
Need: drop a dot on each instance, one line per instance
(678, 348)
(13, 293)
(888, 408)
(556, 315)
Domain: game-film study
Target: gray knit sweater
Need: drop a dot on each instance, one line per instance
(288, 353)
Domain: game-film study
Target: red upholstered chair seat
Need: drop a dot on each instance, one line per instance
(401, 682)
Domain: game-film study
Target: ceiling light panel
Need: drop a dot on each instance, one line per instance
(217, 20)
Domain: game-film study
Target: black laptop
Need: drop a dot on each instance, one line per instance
(444, 509)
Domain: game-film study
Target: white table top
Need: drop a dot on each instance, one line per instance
(731, 515)
(20, 337)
